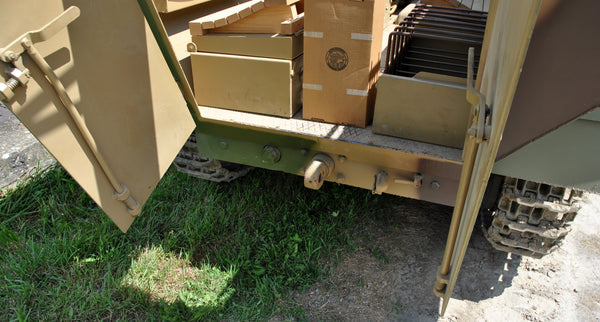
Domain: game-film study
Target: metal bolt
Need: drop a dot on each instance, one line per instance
(271, 154)
(304, 151)
(340, 177)
(224, 145)
(10, 56)
(6, 90)
(20, 76)
(435, 185)
(26, 43)
(342, 158)
(191, 47)
(12, 83)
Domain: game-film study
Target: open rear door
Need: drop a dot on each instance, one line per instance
(508, 31)
(90, 82)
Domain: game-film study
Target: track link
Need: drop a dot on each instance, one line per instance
(190, 162)
(532, 218)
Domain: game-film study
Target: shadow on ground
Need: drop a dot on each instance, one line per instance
(392, 273)
(376, 256)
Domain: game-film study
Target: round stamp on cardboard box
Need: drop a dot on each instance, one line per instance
(336, 58)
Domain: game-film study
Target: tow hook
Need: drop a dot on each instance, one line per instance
(320, 167)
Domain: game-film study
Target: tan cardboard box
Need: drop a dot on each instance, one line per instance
(251, 84)
(342, 54)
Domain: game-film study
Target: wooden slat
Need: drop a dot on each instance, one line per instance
(256, 16)
(225, 17)
(290, 27)
(165, 6)
(267, 20)
(246, 12)
(273, 3)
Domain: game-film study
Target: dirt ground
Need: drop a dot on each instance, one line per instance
(391, 276)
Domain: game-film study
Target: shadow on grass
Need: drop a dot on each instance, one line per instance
(61, 257)
(200, 250)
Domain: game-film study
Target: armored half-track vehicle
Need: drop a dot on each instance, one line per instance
(490, 110)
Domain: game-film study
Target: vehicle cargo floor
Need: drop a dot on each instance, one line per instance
(176, 25)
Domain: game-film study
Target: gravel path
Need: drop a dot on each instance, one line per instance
(20, 152)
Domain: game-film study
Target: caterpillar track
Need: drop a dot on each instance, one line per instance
(531, 218)
(189, 161)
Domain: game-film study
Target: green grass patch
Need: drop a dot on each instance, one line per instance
(200, 250)
(168, 278)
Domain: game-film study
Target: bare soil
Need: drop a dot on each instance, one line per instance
(391, 275)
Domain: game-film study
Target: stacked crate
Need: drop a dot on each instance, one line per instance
(249, 57)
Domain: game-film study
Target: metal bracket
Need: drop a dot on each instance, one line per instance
(480, 128)
(440, 286)
(19, 76)
(416, 180)
(382, 182)
(12, 52)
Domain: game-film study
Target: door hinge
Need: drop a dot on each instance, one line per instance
(481, 128)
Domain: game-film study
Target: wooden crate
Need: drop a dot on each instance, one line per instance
(251, 84)
(257, 45)
(428, 108)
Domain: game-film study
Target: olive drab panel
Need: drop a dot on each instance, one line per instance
(93, 87)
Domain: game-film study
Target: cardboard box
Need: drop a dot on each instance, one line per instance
(342, 42)
(428, 107)
(258, 45)
(251, 84)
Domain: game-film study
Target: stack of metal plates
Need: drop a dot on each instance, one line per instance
(436, 40)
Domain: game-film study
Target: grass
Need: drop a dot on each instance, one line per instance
(199, 251)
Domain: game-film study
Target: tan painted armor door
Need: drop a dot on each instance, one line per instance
(508, 31)
(89, 81)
